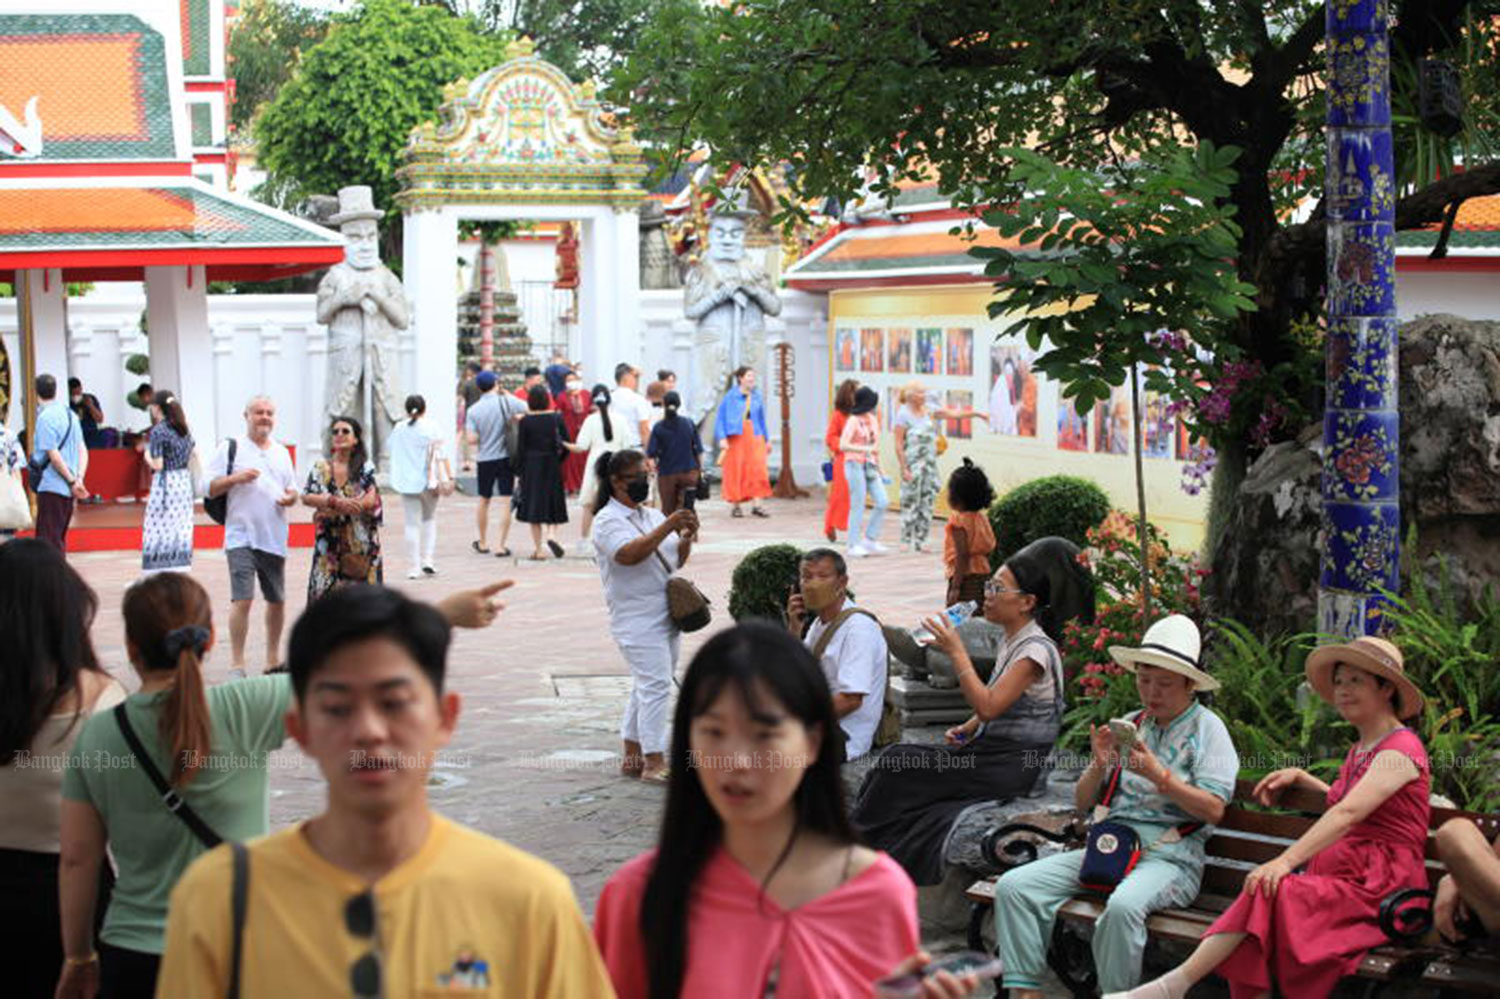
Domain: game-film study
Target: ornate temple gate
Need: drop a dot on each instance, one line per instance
(521, 142)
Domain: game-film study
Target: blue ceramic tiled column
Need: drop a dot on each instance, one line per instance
(1361, 426)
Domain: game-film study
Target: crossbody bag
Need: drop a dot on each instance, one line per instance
(240, 887)
(1113, 848)
(37, 467)
(686, 604)
(888, 729)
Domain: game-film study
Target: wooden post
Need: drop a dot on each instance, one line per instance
(786, 482)
(1361, 423)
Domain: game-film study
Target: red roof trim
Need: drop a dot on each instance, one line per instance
(1451, 265)
(145, 168)
(316, 256)
(216, 272)
(855, 283)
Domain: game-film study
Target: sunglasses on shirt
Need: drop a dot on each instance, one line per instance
(364, 973)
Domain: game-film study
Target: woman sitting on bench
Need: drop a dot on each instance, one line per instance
(911, 797)
(1468, 898)
(1178, 772)
(1307, 930)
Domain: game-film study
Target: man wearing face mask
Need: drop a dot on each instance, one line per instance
(847, 642)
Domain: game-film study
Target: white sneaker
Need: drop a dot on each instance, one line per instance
(876, 548)
(414, 574)
(235, 673)
(856, 551)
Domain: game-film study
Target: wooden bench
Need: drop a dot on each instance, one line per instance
(1246, 838)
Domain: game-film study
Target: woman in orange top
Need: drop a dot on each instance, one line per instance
(969, 537)
(837, 514)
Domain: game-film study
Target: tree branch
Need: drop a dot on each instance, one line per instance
(1284, 64)
(1418, 209)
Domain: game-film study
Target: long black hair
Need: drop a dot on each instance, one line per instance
(600, 398)
(46, 611)
(755, 658)
(358, 456)
(608, 465)
(171, 411)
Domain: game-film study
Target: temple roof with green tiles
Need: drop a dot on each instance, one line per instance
(99, 81)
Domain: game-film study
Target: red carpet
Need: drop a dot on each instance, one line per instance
(116, 527)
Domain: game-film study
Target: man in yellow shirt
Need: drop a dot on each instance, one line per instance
(379, 895)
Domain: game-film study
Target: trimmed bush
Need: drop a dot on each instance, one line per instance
(1061, 505)
(760, 582)
(137, 364)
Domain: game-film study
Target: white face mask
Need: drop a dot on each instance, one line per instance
(573, 386)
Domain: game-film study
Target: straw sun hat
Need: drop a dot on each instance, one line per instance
(1373, 655)
(1172, 644)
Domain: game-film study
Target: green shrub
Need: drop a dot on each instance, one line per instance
(760, 582)
(137, 364)
(1064, 506)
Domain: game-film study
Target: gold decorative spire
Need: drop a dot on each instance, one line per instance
(521, 48)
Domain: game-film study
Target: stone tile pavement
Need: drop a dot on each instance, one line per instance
(533, 760)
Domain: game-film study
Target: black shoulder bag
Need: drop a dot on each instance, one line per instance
(37, 467)
(217, 507)
(239, 891)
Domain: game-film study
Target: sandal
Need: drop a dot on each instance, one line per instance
(662, 776)
(736, 512)
(536, 557)
(503, 553)
(478, 548)
(756, 511)
(278, 668)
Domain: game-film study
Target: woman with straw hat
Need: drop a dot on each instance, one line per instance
(1306, 930)
(1169, 783)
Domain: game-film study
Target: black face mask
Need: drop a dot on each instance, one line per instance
(638, 490)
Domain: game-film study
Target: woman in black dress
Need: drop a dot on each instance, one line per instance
(543, 503)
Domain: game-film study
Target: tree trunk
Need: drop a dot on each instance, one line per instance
(1142, 534)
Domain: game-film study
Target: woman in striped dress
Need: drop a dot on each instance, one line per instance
(167, 539)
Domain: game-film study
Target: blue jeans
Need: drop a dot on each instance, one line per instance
(863, 477)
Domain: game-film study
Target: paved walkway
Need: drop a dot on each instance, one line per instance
(533, 760)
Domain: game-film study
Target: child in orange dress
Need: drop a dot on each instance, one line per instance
(968, 538)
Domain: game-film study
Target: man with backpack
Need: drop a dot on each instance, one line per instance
(254, 473)
(847, 642)
(58, 463)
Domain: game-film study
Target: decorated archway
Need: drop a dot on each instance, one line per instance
(521, 142)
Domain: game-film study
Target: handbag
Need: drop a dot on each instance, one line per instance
(941, 444)
(217, 507)
(828, 471)
(1112, 848)
(15, 508)
(439, 475)
(686, 604)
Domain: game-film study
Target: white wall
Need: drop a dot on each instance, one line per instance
(1470, 295)
(271, 344)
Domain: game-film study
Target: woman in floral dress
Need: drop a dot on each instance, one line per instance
(167, 535)
(346, 512)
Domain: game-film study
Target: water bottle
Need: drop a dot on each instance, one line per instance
(957, 615)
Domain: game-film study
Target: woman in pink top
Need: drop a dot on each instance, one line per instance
(1303, 930)
(765, 891)
(859, 444)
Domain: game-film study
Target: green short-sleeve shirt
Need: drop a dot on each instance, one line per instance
(151, 845)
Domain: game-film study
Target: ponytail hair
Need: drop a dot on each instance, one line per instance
(600, 397)
(610, 464)
(171, 411)
(670, 403)
(169, 624)
(415, 407)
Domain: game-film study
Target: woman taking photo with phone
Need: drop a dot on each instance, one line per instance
(763, 889)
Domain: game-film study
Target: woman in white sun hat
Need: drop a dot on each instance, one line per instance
(1306, 930)
(1174, 779)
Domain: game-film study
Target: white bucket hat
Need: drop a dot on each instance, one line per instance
(1173, 643)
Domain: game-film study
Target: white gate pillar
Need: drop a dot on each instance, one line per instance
(429, 248)
(181, 344)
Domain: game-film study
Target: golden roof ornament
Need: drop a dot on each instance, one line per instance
(521, 48)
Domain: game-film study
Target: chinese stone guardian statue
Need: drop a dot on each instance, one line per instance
(363, 305)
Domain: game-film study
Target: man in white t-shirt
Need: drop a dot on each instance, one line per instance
(261, 485)
(632, 408)
(854, 660)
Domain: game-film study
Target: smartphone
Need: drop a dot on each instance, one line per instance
(689, 498)
(1125, 732)
(969, 962)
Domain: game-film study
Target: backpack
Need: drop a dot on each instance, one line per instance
(888, 730)
(217, 507)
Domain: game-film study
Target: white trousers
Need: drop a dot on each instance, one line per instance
(420, 528)
(652, 664)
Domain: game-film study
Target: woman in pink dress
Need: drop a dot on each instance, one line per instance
(764, 891)
(1305, 930)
